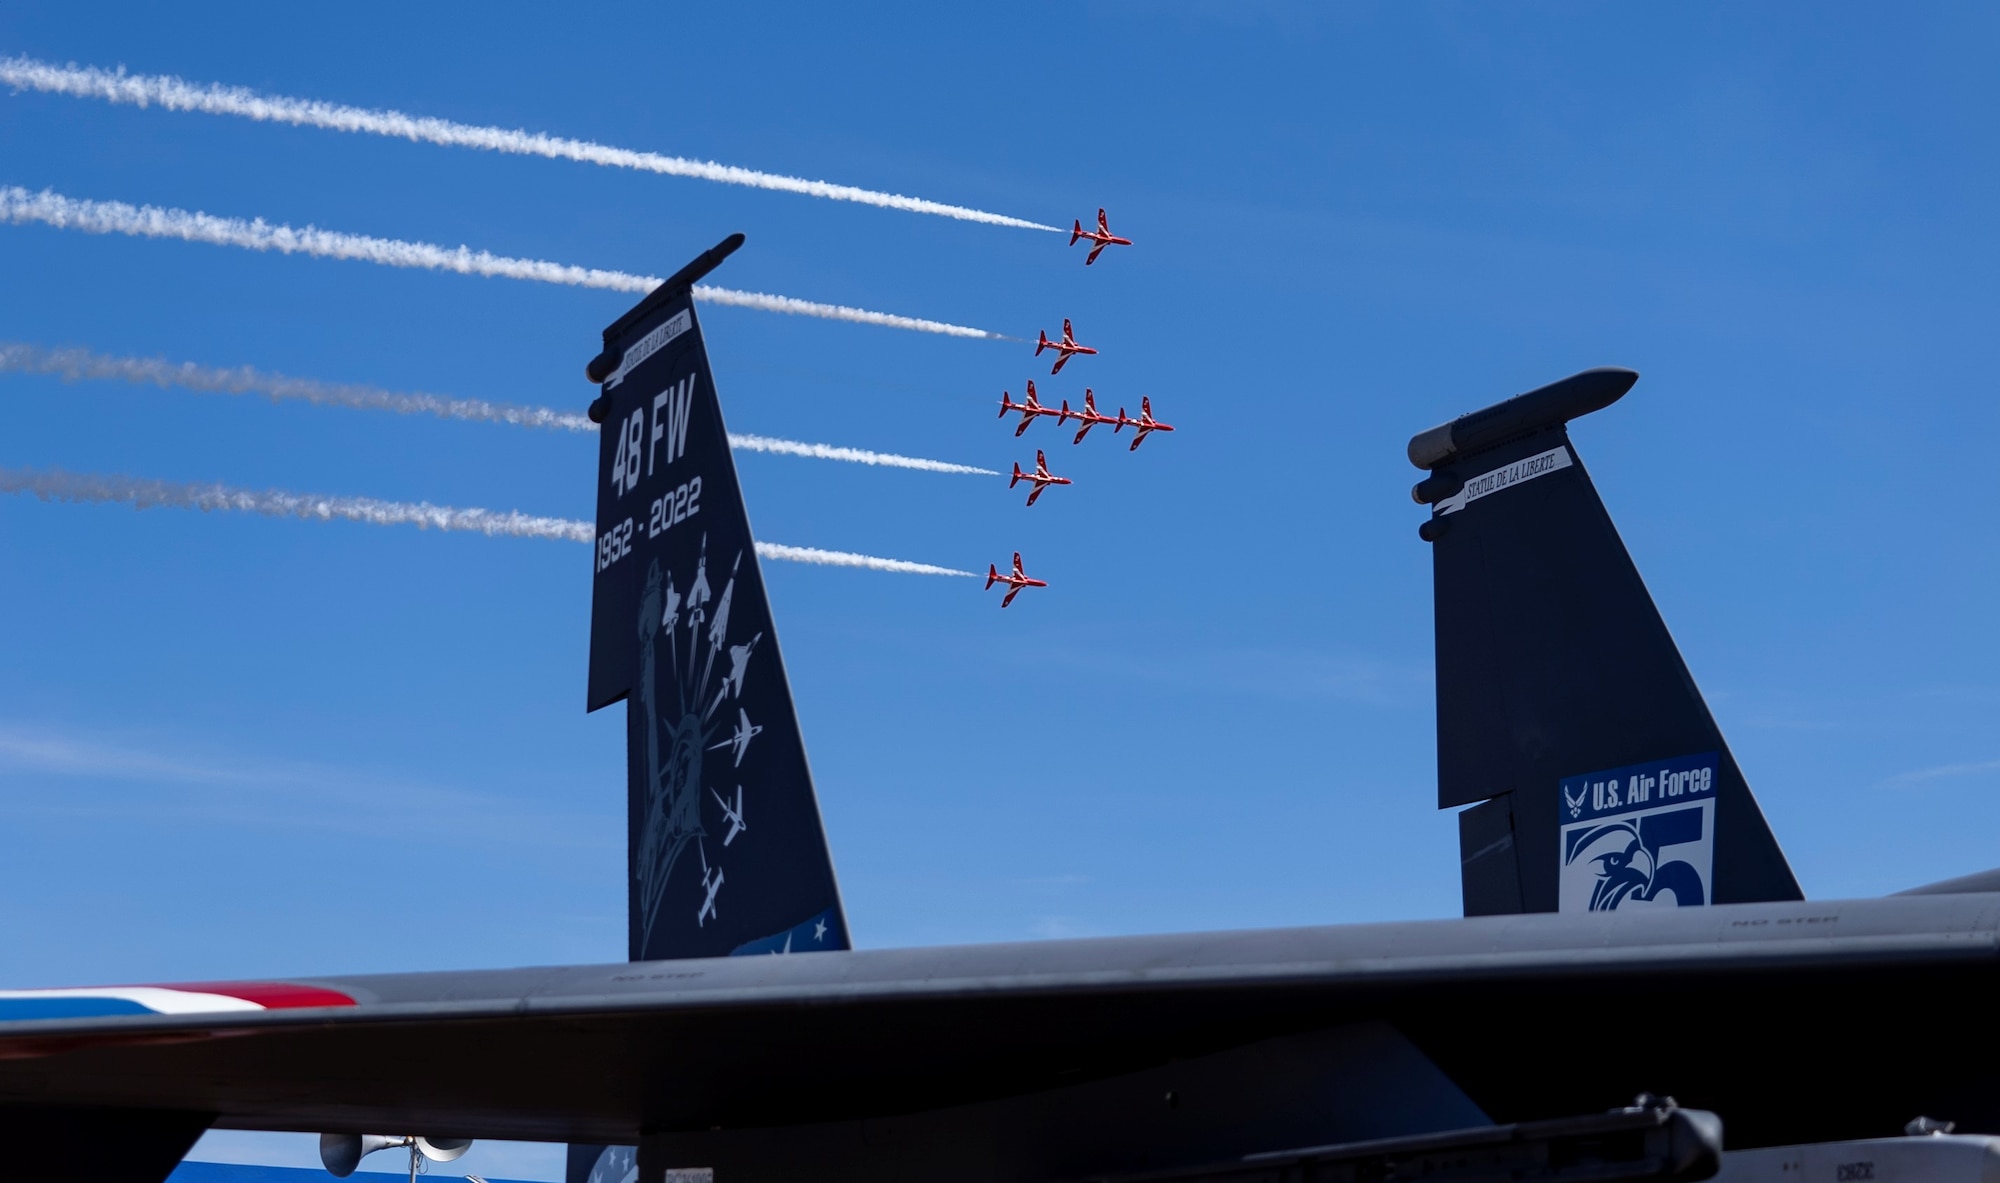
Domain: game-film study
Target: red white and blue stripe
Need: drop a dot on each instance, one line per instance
(195, 998)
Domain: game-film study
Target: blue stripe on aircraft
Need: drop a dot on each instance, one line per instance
(68, 1008)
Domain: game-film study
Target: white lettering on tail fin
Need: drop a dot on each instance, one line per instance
(1505, 477)
(672, 408)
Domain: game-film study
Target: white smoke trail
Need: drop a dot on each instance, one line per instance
(843, 558)
(50, 484)
(764, 443)
(54, 484)
(176, 94)
(82, 364)
(150, 221)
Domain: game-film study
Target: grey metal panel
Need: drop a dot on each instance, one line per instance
(1724, 937)
(598, 1053)
(1982, 881)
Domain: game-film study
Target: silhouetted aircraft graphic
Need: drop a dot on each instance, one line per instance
(1067, 347)
(1041, 477)
(1102, 236)
(711, 882)
(1015, 581)
(1503, 1047)
(739, 740)
(733, 814)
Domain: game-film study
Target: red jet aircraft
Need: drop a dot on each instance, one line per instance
(1029, 410)
(1014, 582)
(1145, 423)
(1089, 416)
(1041, 476)
(1067, 347)
(1102, 236)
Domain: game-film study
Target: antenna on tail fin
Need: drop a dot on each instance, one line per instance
(1567, 719)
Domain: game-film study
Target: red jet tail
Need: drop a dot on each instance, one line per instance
(1017, 475)
(1043, 343)
(992, 576)
(1077, 232)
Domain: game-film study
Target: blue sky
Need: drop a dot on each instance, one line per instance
(238, 747)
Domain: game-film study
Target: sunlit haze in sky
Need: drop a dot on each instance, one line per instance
(234, 746)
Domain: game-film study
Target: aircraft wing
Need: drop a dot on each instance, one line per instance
(595, 1053)
(1092, 256)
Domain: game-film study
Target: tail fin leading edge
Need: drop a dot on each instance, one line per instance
(1566, 717)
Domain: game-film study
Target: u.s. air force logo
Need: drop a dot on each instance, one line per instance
(1639, 836)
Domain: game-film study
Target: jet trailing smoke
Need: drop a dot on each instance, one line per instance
(54, 484)
(176, 94)
(763, 443)
(843, 558)
(116, 217)
(80, 364)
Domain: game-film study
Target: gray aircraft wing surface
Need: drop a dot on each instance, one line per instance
(1786, 995)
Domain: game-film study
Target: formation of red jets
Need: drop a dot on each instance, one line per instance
(1031, 409)
(1089, 416)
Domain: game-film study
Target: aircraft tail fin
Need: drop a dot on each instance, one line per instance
(681, 630)
(1017, 475)
(1566, 717)
(1042, 343)
(1076, 232)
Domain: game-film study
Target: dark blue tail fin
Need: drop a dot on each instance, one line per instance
(1564, 708)
(725, 850)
